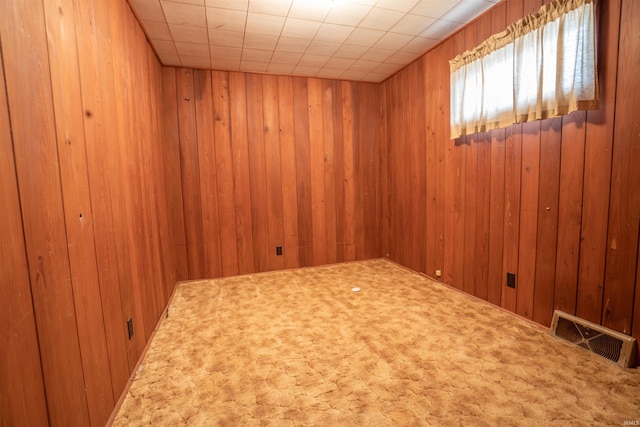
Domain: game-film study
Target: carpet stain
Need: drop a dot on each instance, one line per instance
(300, 348)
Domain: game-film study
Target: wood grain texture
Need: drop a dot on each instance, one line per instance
(88, 152)
(561, 213)
(597, 183)
(68, 108)
(624, 207)
(27, 77)
(20, 367)
(300, 160)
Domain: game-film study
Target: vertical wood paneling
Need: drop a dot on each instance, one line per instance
(242, 183)
(349, 182)
(190, 172)
(547, 233)
(275, 220)
(368, 242)
(88, 152)
(561, 211)
(33, 128)
(329, 171)
(300, 160)
(288, 172)
(67, 108)
(317, 176)
(569, 211)
(442, 54)
(483, 190)
(173, 187)
(100, 126)
(469, 164)
(207, 173)
(224, 173)
(303, 167)
(20, 367)
(529, 187)
(257, 173)
(624, 208)
(497, 194)
(597, 160)
(459, 186)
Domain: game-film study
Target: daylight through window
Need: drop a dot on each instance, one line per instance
(541, 66)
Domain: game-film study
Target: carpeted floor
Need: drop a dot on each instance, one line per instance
(299, 347)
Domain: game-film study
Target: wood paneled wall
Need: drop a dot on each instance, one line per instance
(556, 201)
(269, 161)
(118, 178)
(87, 238)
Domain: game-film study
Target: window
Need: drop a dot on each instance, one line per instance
(541, 66)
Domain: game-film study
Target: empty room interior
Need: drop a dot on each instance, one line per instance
(297, 212)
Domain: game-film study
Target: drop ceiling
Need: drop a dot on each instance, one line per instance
(361, 40)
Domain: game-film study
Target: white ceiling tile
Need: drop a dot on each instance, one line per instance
(377, 54)
(348, 50)
(229, 64)
(434, 8)
(353, 74)
(226, 52)
(347, 14)
(309, 10)
(365, 65)
(310, 60)
(271, 7)
(264, 24)
(333, 32)
(402, 58)
(381, 19)
(226, 19)
(292, 44)
(157, 30)
(440, 29)
(195, 2)
(370, 39)
(467, 10)
(300, 28)
(253, 67)
(149, 10)
(400, 5)
(256, 55)
(375, 77)
(365, 36)
(170, 60)
(280, 57)
(184, 14)
(281, 68)
(412, 24)
(306, 71)
(393, 41)
(228, 4)
(165, 47)
(387, 68)
(419, 45)
(225, 38)
(260, 41)
(192, 49)
(320, 47)
(195, 61)
(329, 73)
(181, 33)
(365, 2)
(341, 63)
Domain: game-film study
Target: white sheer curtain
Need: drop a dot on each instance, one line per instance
(541, 66)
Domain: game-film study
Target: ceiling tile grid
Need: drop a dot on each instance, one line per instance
(363, 40)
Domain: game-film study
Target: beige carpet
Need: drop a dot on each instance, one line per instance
(299, 347)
